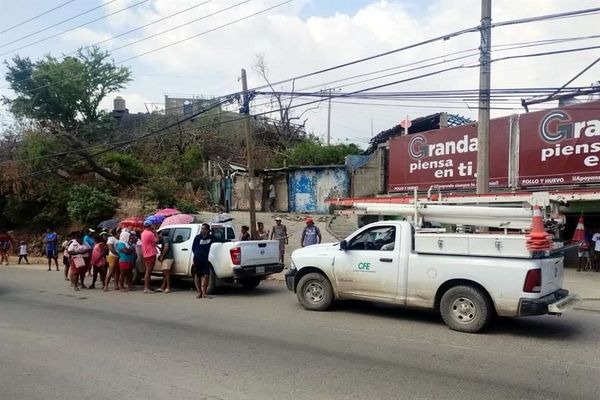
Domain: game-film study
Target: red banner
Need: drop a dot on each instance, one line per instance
(447, 158)
(560, 146)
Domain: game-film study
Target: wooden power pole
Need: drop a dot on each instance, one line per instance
(483, 125)
(250, 153)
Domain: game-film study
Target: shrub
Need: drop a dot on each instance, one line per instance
(90, 206)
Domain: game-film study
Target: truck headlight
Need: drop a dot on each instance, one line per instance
(292, 266)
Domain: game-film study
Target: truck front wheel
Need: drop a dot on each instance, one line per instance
(314, 292)
(465, 309)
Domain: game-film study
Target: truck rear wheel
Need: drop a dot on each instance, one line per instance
(250, 283)
(465, 309)
(314, 292)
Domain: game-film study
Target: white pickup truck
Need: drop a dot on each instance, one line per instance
(244, 262)
(468, 278)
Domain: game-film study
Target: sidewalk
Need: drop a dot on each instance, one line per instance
(586, 284)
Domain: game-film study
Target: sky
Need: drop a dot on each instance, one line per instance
(303, 36)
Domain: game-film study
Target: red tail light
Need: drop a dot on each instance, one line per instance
(533, 281)
(236, 255)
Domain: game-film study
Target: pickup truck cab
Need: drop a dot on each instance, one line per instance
(243, 262)
(467, 278)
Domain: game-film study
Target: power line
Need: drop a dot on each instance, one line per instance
(76, 27)
(37, 16)
(147, 25)
(58, 23)
(179, 26)
(207, 31)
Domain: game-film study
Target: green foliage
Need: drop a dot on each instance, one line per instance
(90, 206)
(163, 191)
(313, 152)
(41, 209)
(129, 168)
(191, 160)
(66, 91)
(35, 146)
(186, 207)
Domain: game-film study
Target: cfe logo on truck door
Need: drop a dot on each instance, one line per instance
(364, 266)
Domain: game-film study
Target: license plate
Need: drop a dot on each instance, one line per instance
(260, 270)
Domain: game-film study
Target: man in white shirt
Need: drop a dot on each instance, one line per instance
(596, 241)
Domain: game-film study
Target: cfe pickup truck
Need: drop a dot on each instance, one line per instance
(468, 278)
(243, 262)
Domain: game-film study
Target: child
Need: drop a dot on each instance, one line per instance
(23, 252)
(66, 261)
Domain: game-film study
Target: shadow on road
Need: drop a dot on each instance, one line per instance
(542, 327)
(387, 310)
(230, 290)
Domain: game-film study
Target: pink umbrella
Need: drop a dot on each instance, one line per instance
(178, 219)
(167, 212)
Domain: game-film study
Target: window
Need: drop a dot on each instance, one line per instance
(181, 235)
(377, 238)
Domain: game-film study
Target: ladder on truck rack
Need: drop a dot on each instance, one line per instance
(498, 216)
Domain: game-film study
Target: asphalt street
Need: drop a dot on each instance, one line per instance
(59, 344)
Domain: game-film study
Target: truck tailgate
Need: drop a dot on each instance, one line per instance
(257, 252)
(552, 274)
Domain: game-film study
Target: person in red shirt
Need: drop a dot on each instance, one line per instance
(98, 261)
(149, 253)
(5, 244)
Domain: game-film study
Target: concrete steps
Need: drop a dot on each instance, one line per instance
(343, 225)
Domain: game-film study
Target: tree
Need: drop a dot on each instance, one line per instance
(289, 127)
(90, 206)
(312, 152)
(63, 98)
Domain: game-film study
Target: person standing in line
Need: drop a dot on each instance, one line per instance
(5, 244)
(166, 259)
(596, 241)
(89, 241)
(127, 253)
(112, 260)
(23, 252)
(77, 249)
(65, 260)
(99, 260)
(261, 234)
(272, 197)
(279, 232)
(245, 235)
(201, 249)
(311, 234)
(149, 253)
(51, 243)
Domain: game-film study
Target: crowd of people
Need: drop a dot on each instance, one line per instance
(111, 255)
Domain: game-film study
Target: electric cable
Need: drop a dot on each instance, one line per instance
(36, 16)
(76, 27)
(58, 23)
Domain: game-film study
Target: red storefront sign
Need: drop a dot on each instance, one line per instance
(560, 146)
(447, 158)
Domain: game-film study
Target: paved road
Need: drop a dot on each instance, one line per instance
(59, 344)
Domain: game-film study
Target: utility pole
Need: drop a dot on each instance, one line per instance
(250, 152)
(329, 114)
(329, 119)
(483, 126)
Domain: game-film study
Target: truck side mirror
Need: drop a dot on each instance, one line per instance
(343, 245)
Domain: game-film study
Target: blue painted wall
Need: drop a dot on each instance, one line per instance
(308, 188)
